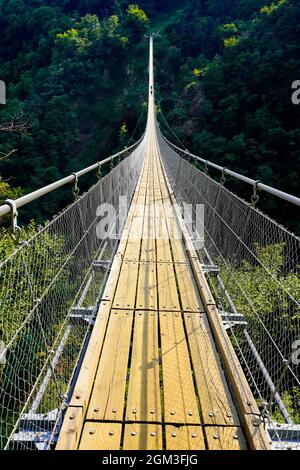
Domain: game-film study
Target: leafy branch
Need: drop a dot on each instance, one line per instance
(4, 156)
(16, 124)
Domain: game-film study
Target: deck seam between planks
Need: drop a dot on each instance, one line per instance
(130, 358)
(181, 305)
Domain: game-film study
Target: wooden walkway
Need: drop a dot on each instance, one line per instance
(151, 377)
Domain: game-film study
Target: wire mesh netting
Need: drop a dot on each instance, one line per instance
(253, 266)
(49, 290)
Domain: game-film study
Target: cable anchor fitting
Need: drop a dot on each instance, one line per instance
(255, 195)
(15, 230)
(187, 156)
(223, 177)
(99, 174)
(75, 190)
(121, 154)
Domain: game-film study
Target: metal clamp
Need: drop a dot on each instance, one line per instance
(125, 155)
(206, 167)
(75, 190)
(99, 174)
(111, 163)
(255, 195)
(223, 177)
(15, 230)
(188, 157)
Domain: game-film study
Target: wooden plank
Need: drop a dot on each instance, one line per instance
(132, 252)
(130, 242)
(225, 438)
(178, 251)
(190, 299)
(143, 401)
(150, 207)
(71, 429)
(215, 399)
(143, 437)
(108, 395)
(142, 192)
(88, 368)
(184, 438)
(138, 199)
(167, 288)
(126, 289)
(162, 239)
(147, 287)
(163, 250)
(112, 280)
(148, 246)
(180, 404)
(127, 227)
(136, 228)
(148, 250)
(101, 436)
(175, 236)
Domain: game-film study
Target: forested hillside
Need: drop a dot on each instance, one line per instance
(77, 72)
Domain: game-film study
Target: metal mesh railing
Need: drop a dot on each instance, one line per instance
(254, 272)
(49, 290)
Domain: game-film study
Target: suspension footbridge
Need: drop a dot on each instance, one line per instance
(158, 340)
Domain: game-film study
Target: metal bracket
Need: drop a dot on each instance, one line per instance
(255, 196)
(35, 429)
(99, 174)
(210, 269)
(223, 177)
(125, 155)
(232, 319)
(38, 422)
(83, 313)
(99, 265)
(284, 436)
(75, 189)
(188, 156)
(38, 440)
(15, 230)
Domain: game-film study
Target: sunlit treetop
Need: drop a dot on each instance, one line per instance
(269, 9)
(136, 13)
(231, 42)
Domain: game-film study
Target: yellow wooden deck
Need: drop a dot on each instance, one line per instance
(151, 377)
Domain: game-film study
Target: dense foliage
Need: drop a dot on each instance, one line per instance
(258, 297)
(78, 71)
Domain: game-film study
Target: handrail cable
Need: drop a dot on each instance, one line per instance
(23, 200)
(225, 171)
